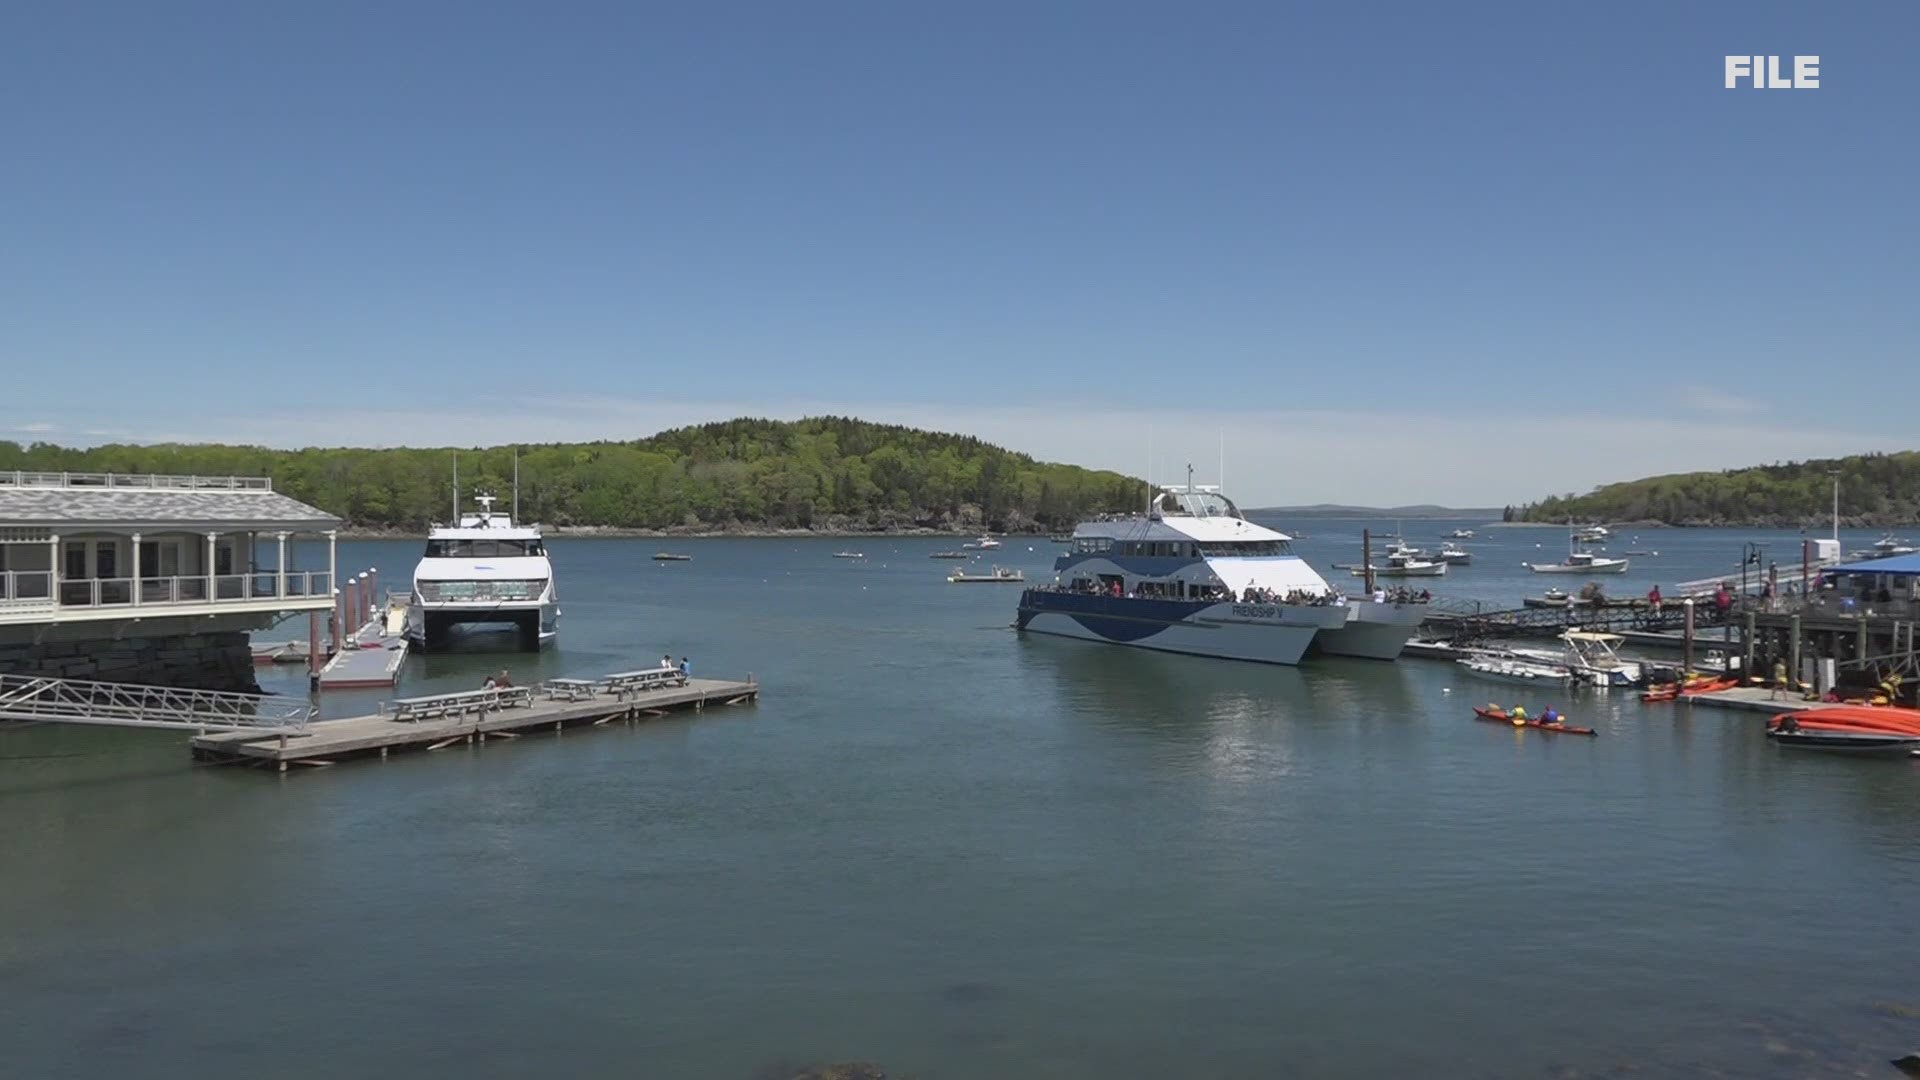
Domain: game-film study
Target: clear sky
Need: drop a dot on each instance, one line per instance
(1359, 240)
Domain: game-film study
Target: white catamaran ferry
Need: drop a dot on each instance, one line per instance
(485, 569)
(1194, 576)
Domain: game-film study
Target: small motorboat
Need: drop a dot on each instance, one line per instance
(1454, 554)
(671, 556)
(999, 574)
(1581, 562)
(1405, 564)
(949, 555)
(984, 543)
(849, 554)
(1839, 741)
(1460, 534)
(1508, 668)
(1493, 714)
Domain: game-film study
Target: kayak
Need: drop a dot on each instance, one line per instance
(1499, 716)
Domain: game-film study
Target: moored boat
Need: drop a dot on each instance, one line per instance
(1460, 534)
(1581, 562)
(949, 555)
(670, 556)
(483, 569)
(1505, 667)
(997, 575)
(849, 554)
(1454, 555)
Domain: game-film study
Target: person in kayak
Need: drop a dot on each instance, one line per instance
(1518, 714)
(1549, 716)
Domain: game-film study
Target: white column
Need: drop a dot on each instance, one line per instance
(281, 587)
(212, 592)
(53, 574)
(136, 569)
(333, 560)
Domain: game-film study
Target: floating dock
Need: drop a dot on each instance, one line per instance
(324, 742)
(372, 656)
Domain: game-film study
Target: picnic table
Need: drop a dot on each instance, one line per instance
(571, 689)
(630, 682)
(436, 706)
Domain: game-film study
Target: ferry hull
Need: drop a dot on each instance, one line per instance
(1267, 634)
(1372, 631)
(428, 629)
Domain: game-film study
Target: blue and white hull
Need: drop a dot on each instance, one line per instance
(1264, 633)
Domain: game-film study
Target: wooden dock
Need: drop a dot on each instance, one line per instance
(325, 742)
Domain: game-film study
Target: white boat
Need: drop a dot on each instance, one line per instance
(483, 569)
(984, 543)
(1884, 548)
(1581, 562)
(1508, 668)
(1460, 534)
(1593, 534)
(1400, 565)
(1590, 657)
(1191, 575)
(999, 574)
(1454, 554)
(849, 554)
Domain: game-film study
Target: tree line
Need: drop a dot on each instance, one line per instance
(820, 473)
(1876, 490)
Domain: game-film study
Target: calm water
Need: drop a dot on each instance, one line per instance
(966, 853)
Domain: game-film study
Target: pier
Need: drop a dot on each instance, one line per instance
(470, 718)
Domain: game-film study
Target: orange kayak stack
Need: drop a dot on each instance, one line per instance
(1874, 719)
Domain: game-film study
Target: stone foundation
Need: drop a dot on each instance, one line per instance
(208, 661)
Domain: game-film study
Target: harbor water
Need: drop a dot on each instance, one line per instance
(962, 852)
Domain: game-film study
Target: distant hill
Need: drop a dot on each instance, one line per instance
(1876, 491)
(1337, 510)
(825, 473)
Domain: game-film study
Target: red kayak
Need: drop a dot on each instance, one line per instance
(1499, 716)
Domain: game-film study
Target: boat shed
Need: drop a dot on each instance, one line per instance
(90, 560)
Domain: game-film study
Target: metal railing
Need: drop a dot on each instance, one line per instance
(77, 701)
(35, 589)
(150, 481)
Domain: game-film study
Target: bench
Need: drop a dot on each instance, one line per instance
(438, 706)
(633, 682)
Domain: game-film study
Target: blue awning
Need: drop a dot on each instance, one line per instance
(1901, 565)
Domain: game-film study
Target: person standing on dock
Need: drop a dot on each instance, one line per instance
(1653, 599)
(686, 669)
(1779, 679)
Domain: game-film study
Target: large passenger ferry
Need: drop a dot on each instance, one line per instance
(1192, 575)
(485, 569)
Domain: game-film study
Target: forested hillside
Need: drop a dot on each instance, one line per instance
(824, 473)
(1875, 490)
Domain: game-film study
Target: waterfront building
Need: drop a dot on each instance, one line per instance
(153, 579)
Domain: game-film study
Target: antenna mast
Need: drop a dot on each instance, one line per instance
(456, 489)
(516, 483)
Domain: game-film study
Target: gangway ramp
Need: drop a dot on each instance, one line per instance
(78, 701)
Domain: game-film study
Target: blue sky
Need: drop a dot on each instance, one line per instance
(1350, 237)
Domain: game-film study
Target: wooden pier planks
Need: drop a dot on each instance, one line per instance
(326, 741)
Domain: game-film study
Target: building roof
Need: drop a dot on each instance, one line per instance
(124, 508)
(1899, 565)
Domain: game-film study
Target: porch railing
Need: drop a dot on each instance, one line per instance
(36, 589)
(19, 478)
